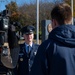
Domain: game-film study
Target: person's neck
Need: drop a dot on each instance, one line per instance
(68, 23)
(29, 43)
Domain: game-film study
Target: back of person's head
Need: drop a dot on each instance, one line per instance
(62, 13)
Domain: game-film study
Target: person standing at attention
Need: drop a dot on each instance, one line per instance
(28, 51)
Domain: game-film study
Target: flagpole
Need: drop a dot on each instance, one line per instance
(72, 11)
(37, 21)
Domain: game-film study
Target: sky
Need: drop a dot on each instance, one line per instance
(5, 2)
(19, 2)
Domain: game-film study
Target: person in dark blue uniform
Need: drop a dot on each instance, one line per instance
(56, 55)
(28, 51)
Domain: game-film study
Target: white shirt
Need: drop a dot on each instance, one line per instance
(27, 47)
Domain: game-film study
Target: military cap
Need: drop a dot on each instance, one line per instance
(29, 29)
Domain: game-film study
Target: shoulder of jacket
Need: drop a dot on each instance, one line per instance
(22, 46)
(37, 45)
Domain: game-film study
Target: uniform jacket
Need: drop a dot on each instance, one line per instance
(56, 56)
(25, 62)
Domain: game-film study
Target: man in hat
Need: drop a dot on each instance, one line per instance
(27, 53)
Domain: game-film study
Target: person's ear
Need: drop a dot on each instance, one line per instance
(54, 23)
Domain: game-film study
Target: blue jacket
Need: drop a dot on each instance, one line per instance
(24, 62)
(56, 56)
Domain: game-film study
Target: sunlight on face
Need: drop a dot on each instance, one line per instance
(49, 27)
(28, 37)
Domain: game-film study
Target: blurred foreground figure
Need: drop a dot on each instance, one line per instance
(9, 54)
(56, 56)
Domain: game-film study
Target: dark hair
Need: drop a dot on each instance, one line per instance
(62, 13)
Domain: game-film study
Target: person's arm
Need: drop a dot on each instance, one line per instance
(10, 60)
